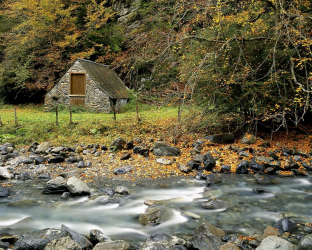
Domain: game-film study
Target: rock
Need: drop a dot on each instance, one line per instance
(65, 243)
(122, 190)
(66, 195)
(150, 245)
(242, 167)
(262, 159)
(122, 170)
(55, 186)
(118, 143)
(285, 225)
(257, 167)
(248, 139)
(4, 174)
(125, 157)
(213, 179)
(207, 228)
(56, 159)
(159, 237)
(57, 150)
(81, 164)
(215, 204)
(225, 168)
(38, 239)
(184, 168)
(164, 161)
(97, 236)
(77, 187)
(209, 162)
(112, 245)
(205, 242)
(193, 164)
(274, 242)
(33, 147)
(191, 215)
(43, 147)
(305, 243)
(4, 191)
(129, 145)
(20, 160)
(74, 159)
(39, 160)
(4, 245)
(162, 149)
(265, 144)
(110, 192)
(260, 191)
(82, 241)
(243, 153)
(153, 215)
(229, 246)
(23, 176)
(220, 139)
(273, 155)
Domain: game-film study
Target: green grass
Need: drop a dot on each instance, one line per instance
(35, 125)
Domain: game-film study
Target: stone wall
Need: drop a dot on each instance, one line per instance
(95, 100)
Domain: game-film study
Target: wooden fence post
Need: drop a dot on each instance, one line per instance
(15, 117)
(56, 113)
(70, 115)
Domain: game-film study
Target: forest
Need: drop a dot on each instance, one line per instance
(249, 58)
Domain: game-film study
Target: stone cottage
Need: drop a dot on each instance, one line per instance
(93, 85)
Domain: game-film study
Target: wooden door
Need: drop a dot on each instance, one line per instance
(77, 88)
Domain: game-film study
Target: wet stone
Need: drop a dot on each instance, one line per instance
(81, 164)
(214, 204)
(55, 186)
(4, 191)
(97, 236)
(122, 170)
(122, 190)
(285, 225)
(242, 167)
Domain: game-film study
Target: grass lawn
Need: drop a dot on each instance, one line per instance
(35, 125)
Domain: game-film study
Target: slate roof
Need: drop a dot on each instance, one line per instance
(106, 78)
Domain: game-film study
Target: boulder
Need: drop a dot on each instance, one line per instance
(77, 187)
(256, 166)
(122, 170)
(38, 239)
(193, 164)
(122, 190)
(20, 160)
(153, 215)
(285, 225)
(43, 147)
(97, 236)
(205, 242)
(65, 243)
(162, 149)
(112, 245)
(150, 245)
(274, 242)
(4, 174)
(229, 246)
(242, 167)
(82, 241)
(118, 143)
(270, 231)
(207, 228)
(220, 139)
(305, 243)
(215, 204)
(209, 162)
(248, 139)
(57, 150)
(56, 159)
(55, 186)
(4, 191)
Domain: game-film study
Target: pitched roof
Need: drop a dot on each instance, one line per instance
(106, 78)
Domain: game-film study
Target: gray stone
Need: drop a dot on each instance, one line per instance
(82, 241)
(305, 243)
(263, 159)
(43, 147)
(242, 167)
(122, 170)
(215, 204)
(220, 139)
(150, 245)
(153, 215)
(4, 174)
(205, 242)
(112, 245)
(285, 225)
(57, 150)
(209, 162)
(274, 242)
(65, 243)
(4, 191)
(207, 228)
(55, 186)
(184, 168)
(164, 161)
(77, 187)
(230, 246)
(20, 160)
(38, 239)
(243, 153)
(97, 236)
(162, 149)
(122, 190)
(248, 139)
(118, 143)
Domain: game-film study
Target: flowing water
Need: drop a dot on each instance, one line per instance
(247, 213)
